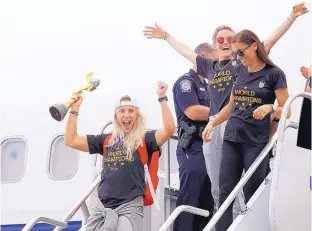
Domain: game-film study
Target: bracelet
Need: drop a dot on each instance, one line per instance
(310, 82)
(166, 35)
(290, 20)
(74, 112)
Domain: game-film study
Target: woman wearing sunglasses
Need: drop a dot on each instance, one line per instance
(258, 83)
(220, 74)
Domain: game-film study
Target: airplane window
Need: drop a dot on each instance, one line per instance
(63, 161)
(13, 160)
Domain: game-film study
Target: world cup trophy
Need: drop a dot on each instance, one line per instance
(59, 111)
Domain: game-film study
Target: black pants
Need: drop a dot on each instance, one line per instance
(195, 188)
(268, 169)
(235, 158)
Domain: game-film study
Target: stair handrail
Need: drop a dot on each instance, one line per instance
(36, 220)
(258, 160)
(180, 209)
(279, 144)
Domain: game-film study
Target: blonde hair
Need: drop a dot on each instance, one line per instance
(130, 141)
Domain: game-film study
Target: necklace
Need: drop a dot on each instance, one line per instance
(218, 68)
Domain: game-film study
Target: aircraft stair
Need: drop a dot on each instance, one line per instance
(265, 211)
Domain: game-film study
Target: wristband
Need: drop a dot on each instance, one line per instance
(162, 98)
(74, 112)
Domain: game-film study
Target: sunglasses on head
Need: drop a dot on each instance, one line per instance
(240, 52)
(222, 39)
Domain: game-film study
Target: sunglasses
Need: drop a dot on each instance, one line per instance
(222, 39)
(240, 52)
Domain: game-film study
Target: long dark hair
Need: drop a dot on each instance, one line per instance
(249, 37)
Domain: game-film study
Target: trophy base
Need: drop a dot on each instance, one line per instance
(58, 111)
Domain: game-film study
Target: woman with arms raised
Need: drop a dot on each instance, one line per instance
(258, 83)
(220, 74)
(121, 190)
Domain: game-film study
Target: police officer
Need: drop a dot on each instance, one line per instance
(191, 101)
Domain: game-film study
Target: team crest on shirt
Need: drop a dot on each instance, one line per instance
(185, 85)
(261, 84)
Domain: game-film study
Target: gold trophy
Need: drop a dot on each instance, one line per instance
(59, 111)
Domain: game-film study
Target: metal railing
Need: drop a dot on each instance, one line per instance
(279, 134)
(34, 221)
(80, 204)
(63, 223)
(180, 209)
(280, 140)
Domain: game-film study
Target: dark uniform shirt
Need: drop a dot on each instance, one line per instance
(122, 178)
(189, 90)
(250, 91)
(220, 76)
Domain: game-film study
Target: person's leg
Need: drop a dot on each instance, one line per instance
(240, 196)
(230, 174)
(192, 174)
(205, 202)
(212, 154)
(250, 155)
(124, 224)
(268, 168)
(131, 216)
(95, 220)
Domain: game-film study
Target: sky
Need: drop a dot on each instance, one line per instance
(46, 48)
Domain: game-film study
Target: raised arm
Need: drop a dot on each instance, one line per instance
(163, 134)
(222, 116)
(283, 28)
(72, 139)
(158, 33)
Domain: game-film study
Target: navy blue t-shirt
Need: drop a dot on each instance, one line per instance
(220, 76)
(250, 91)
(189, 90)
(122, 178)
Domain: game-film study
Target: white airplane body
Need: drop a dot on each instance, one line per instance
(40, 176)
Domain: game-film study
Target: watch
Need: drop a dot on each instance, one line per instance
(276, 119)
(273, 108)
(162, 98)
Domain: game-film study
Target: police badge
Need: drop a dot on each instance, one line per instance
(185, 85)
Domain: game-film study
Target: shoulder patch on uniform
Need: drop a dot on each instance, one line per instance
(186, 85)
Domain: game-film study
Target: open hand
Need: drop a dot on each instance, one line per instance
(162, 88)
(306, 72)
(154, 32)
(206, 133)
